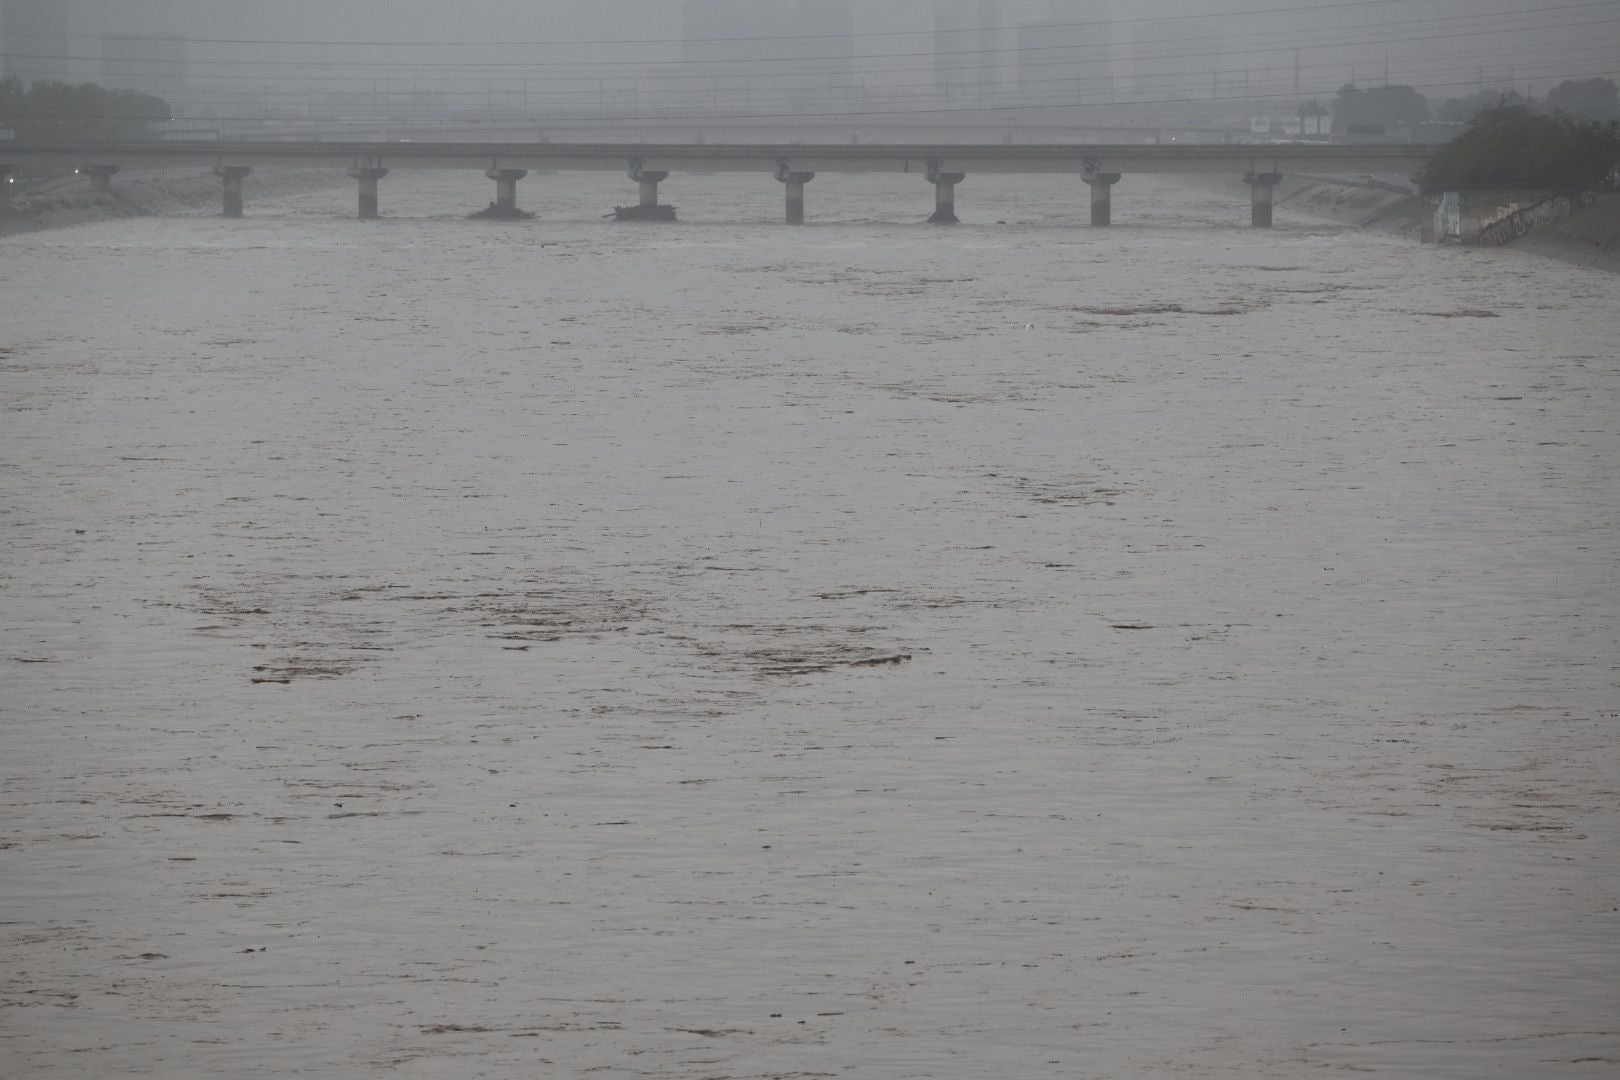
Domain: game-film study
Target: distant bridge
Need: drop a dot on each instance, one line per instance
(944, 166)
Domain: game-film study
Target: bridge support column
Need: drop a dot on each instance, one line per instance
(944, 195)
(100, 176)
(505, 204)
(232, 175)
(1260, 189)
(794, 183)
(647, 208)
(1102, 206)
(368, 178)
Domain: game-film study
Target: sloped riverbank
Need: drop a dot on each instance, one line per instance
(149, 196)
(1590, 237)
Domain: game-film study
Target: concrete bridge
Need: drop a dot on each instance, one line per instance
(793, 165)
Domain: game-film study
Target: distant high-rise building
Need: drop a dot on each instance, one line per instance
(711, 31)
(1069, 58)
(768, 54)
(989, 57)
(968, 56)
(1174, 60)
(33, 39)
(148, 63)
(822, 41)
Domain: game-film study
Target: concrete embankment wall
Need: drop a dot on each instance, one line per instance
(78, 204)
(1496, 218)
(1588, 237)
(1364, 205)
(1371, 205)
(1583, 229)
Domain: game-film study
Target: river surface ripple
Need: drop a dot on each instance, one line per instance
(436, 648)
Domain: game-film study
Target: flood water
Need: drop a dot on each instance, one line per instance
(447, 649)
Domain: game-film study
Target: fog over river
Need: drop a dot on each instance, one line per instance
(437, 648)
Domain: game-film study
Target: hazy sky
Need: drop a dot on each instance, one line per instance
(1445, 44)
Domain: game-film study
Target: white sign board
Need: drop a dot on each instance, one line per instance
(1448, 218)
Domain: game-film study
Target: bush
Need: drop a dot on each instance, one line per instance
(1511, 147)
(1586, 99)
(57, 112)
(1379, 105)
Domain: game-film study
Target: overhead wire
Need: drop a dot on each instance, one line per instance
(782, 81)
(572, 42)
(1526, 63)
(1284, 39)
(838, 115)
(1117, 58)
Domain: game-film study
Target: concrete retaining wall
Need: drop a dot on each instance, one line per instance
(79, 205)
(1380, 206)
(1590, 238)
(1494, 218)
(1506, 230)
(1376, 206)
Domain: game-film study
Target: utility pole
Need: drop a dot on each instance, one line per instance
(1296, 71)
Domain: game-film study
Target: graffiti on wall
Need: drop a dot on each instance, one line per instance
(1448, 218)
(1512, 226)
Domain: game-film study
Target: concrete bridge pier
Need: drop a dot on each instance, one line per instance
(100, 176)
(944, 195)
(506, 182)
(1102, 207)
(649, 188)
(232, 175)
(648, 208)
(368, 178)
(794, 183)
(1260, 190)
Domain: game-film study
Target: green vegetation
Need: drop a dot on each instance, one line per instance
(1586, 99)
(1379, 105)
(1510, 146)
(1463, 110)
(1580, 99)
(57, 112)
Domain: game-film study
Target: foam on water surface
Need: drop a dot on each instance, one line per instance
(443, 648)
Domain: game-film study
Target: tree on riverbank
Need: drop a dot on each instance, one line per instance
(1463, 110)
(1512, 147)
(1586, 99)
(71, 112)
(1379, 105)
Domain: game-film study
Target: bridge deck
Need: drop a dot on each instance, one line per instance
(613, 157)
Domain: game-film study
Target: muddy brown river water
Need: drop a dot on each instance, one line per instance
(449, 649)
